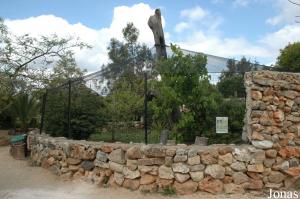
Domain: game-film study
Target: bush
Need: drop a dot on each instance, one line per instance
(186, 101)
(289, 58)
(232, 86)
(234, 109)
(86, 112)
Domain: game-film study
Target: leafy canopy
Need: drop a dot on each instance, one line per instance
(86, 105)
(231, 82)
(289, 58)
(25, 108)
(26, 58)
(128, 58)
(186, 100)
(24, 64)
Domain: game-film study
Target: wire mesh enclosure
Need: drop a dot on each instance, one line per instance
(178, 105)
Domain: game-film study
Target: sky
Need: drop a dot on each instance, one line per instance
(256, 29)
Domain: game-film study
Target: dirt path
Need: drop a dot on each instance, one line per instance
(18, 180)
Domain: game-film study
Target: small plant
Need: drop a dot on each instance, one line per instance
(169, 191)
(25, 109)
(105, 181)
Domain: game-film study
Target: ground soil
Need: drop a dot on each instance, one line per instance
(19, 180)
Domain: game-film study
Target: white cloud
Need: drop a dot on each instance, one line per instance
(265, 50)
(225, 47)
(181, 27)
(200, 27)
(90, 59)
(286, 12)
(205, 38)
(206, 35)
(279, 39)
(194, 14)
(198, 17)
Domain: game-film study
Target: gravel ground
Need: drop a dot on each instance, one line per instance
(18, 180)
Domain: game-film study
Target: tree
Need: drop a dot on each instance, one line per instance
(125, 101)
(25, 108)
(24, 64)
(186, 102)
(86, 115)
(25, 58)
(86, 105)
(234, 109)
(65, 69)
(232, 86)
(289, 58)
(125, 75)
(231, 82)
(127, 58)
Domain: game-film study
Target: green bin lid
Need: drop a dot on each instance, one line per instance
(17, 138)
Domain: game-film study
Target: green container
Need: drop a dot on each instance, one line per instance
(18, 138)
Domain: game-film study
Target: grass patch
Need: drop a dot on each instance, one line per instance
(105, 180)
(169, 191)
(126, 136)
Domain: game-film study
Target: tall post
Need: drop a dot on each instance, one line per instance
(69, 110)
(146, 109)
(155, 25)
(43, 110)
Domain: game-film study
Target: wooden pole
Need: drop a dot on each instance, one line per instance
(43, 111)
(69, 109)
(146, 109)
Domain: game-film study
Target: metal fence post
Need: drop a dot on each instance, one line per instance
(146, 109)
(43, 110)
(69, 109)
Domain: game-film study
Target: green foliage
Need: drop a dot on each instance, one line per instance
(231, 82)
(6, 93)
(25, 109)
(125, 101)
(86, 115)
(65, 69)
(129, 57)
(86, 105)
(6, 119)
(232, 86)
(19, 56)
(130, 33)
(186, 101)
(126, 135)
(125, 76)
(234, 109)
(289, 58)
(169, 191)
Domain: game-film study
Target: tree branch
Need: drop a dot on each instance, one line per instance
(297, 4)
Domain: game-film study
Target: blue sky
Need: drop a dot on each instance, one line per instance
(256, 29)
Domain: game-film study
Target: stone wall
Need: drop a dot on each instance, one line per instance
(273, 109)
(151, 168)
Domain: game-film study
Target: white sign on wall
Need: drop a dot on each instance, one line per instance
(221, 124)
